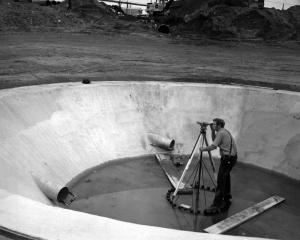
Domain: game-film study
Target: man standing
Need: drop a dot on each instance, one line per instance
(228, 152)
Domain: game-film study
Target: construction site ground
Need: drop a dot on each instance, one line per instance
(28, 58)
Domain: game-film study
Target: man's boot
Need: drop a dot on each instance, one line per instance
(227, 199)
(225, 206)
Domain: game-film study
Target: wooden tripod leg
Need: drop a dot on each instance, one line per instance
(186, 167)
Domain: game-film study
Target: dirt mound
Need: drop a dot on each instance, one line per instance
(266, 23)
(186, 7)
(27, 17)
(219, 21)
(84, 16)
(294, 18)
(213, 18)
(223, 20)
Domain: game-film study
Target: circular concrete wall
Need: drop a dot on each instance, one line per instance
(52, 133)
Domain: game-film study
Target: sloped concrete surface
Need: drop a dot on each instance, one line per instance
(55, 132)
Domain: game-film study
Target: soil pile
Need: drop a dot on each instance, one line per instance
(268, 24)
(235, 20)
(87, 17)
(28, 16)
(219, 19)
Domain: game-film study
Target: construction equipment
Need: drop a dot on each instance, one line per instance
(158, 8)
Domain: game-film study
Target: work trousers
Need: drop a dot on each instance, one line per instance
(223, 181)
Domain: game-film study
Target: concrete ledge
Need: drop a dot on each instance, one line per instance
(39, 221)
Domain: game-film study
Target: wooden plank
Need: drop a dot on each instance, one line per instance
(244, 215)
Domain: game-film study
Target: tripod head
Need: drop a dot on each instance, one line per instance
(203, 126)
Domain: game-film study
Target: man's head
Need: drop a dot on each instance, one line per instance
(218, 123)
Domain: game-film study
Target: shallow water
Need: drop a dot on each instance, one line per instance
(134, 190)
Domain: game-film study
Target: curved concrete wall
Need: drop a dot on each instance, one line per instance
(51, 133)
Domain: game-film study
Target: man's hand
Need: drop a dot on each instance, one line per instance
(202, 149)
(208, 148)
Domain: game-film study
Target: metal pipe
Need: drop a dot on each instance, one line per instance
(162, 142)
(53, 191)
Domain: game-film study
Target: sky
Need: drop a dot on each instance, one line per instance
(268, 3)
(278, 3)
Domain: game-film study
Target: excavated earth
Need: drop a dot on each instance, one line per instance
(234, 19)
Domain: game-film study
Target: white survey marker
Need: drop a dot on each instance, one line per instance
(244, 215)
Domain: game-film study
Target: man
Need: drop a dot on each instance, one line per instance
(228, 151)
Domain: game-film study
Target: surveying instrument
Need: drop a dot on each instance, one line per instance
(197, 175)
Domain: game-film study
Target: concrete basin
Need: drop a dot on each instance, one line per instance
(50, 134)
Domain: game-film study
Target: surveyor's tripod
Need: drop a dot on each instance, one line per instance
(197, 173)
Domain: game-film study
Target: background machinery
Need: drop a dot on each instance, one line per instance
(158, 8)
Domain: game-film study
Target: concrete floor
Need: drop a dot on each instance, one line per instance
(134, 191)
